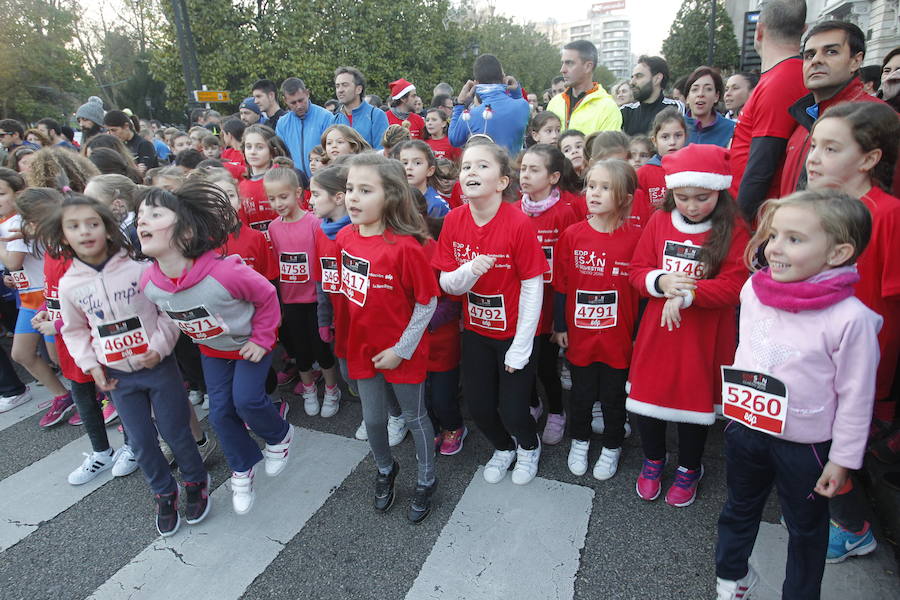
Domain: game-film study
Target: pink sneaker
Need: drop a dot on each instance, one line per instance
(554, 429)
(684, 491)
(453, 441)
(110, 413)
(75, 419)
(59, 410)
(648, 485)
(287, 376)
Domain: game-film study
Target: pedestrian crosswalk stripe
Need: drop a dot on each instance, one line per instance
(220, 557)
(508, 541)
(39, 394)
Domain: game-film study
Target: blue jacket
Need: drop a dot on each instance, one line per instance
(719, 133)
(302, 134)
(437, 206)
(506, 127)
(369, 121)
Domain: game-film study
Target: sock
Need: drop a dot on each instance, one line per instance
(330, 389)
(309, 388)
(108, 453)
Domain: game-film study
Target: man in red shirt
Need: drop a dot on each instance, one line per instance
(403, 98)
(832, 55)
(764, 124)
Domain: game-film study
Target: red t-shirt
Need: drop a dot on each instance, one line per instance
(879, 281)
(255, 208)
(233, 160)
(652, 181)
(601, 305)
(442, 148)
(54, 269)
(295, 249)
(766, 115)
(416, 123)
(491, 307)
(444, 350)
(253, 248)
(549, 226)
(640, 208)
(325, 271)
(383, 278)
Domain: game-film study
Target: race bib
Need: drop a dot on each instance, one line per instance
(123, 339)
(354, 278)
(487, 312)
(683, 256)
(20, 279)
(197, 323)
(331, 281)
(294, 267)
(757, 400)
(54, 309)
(262, 226)
(548, 254)
(596, 310)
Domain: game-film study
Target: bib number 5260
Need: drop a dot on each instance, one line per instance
(757, 400)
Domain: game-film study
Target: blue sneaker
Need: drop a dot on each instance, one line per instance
(843, 544)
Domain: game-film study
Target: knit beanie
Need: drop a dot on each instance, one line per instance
(250, 104)
(91, 110)
(698, 165)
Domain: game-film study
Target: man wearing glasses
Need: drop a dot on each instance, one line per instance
(12, 134)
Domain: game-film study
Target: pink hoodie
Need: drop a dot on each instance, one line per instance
(107, 320)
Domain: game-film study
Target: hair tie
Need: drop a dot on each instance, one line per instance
(66, 189)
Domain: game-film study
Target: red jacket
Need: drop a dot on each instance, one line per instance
(793, 176)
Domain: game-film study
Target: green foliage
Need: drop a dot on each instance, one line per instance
(686, 47)
(40, 74)
(424, 41)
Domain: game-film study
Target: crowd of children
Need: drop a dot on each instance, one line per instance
(626, 256)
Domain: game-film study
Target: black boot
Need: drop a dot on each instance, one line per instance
(420, 506)
(384, 488)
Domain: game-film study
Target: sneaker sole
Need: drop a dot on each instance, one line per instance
(174, 529)
(461, 440)
(63, 415)
(858, 551)
(388, 507)
(246, 510)
(419, 518)
(208, 504)
(111, 419)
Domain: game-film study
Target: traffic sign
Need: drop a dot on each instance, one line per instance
(212, 96)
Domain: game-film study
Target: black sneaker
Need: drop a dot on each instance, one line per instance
(197, 505)
(167, 519)
(420, 506)
(384, 488)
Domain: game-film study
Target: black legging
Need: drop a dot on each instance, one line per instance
(442, 400)
(187, 354)
(300, 336)
(598, 381)
(691, 441)
(546, 355)
(498, 400)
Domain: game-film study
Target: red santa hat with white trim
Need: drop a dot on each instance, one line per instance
(400, 88)
(698, 165)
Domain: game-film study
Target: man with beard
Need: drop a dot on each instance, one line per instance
(648, 80)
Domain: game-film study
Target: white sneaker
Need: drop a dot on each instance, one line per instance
(195, 397)
(126, 463)
(608, 463)
(361, 433)
(526, 464)
(94, 464)
(565, 377)
(10, 402)
(242, 494)
(311, 401)
(332, 402)
(727, 589)
(397, 430)
(578, 457)
(496, 468)
(277, 455)
(597, 423)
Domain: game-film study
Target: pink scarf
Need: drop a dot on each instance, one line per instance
(818, 292)
(536, 209)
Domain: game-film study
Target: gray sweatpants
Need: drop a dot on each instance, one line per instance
(375, 393)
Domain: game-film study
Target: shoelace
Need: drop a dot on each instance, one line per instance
(684, 480)
(452, 436)
(653, 471)
(497, 461)
(527, 457)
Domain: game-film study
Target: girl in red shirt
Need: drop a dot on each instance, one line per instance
(488, 253)
(854, 148)
(436, 125)
(571, 144)
(669, 134)
(293, 236)
(595, 311)
(232, 156)
(689, 261)
(541, 168)
(261, 146)
(391, 296)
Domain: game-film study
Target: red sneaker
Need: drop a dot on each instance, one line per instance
(684, 491)
(453, 441)
(59, 410)
(648, 485)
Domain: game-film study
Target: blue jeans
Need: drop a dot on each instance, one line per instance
(237, 395)
(161, 391)
(755, 462)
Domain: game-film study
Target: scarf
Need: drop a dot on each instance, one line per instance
(331, 228)
(400, 115)
(818, 292)
(537, 208)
